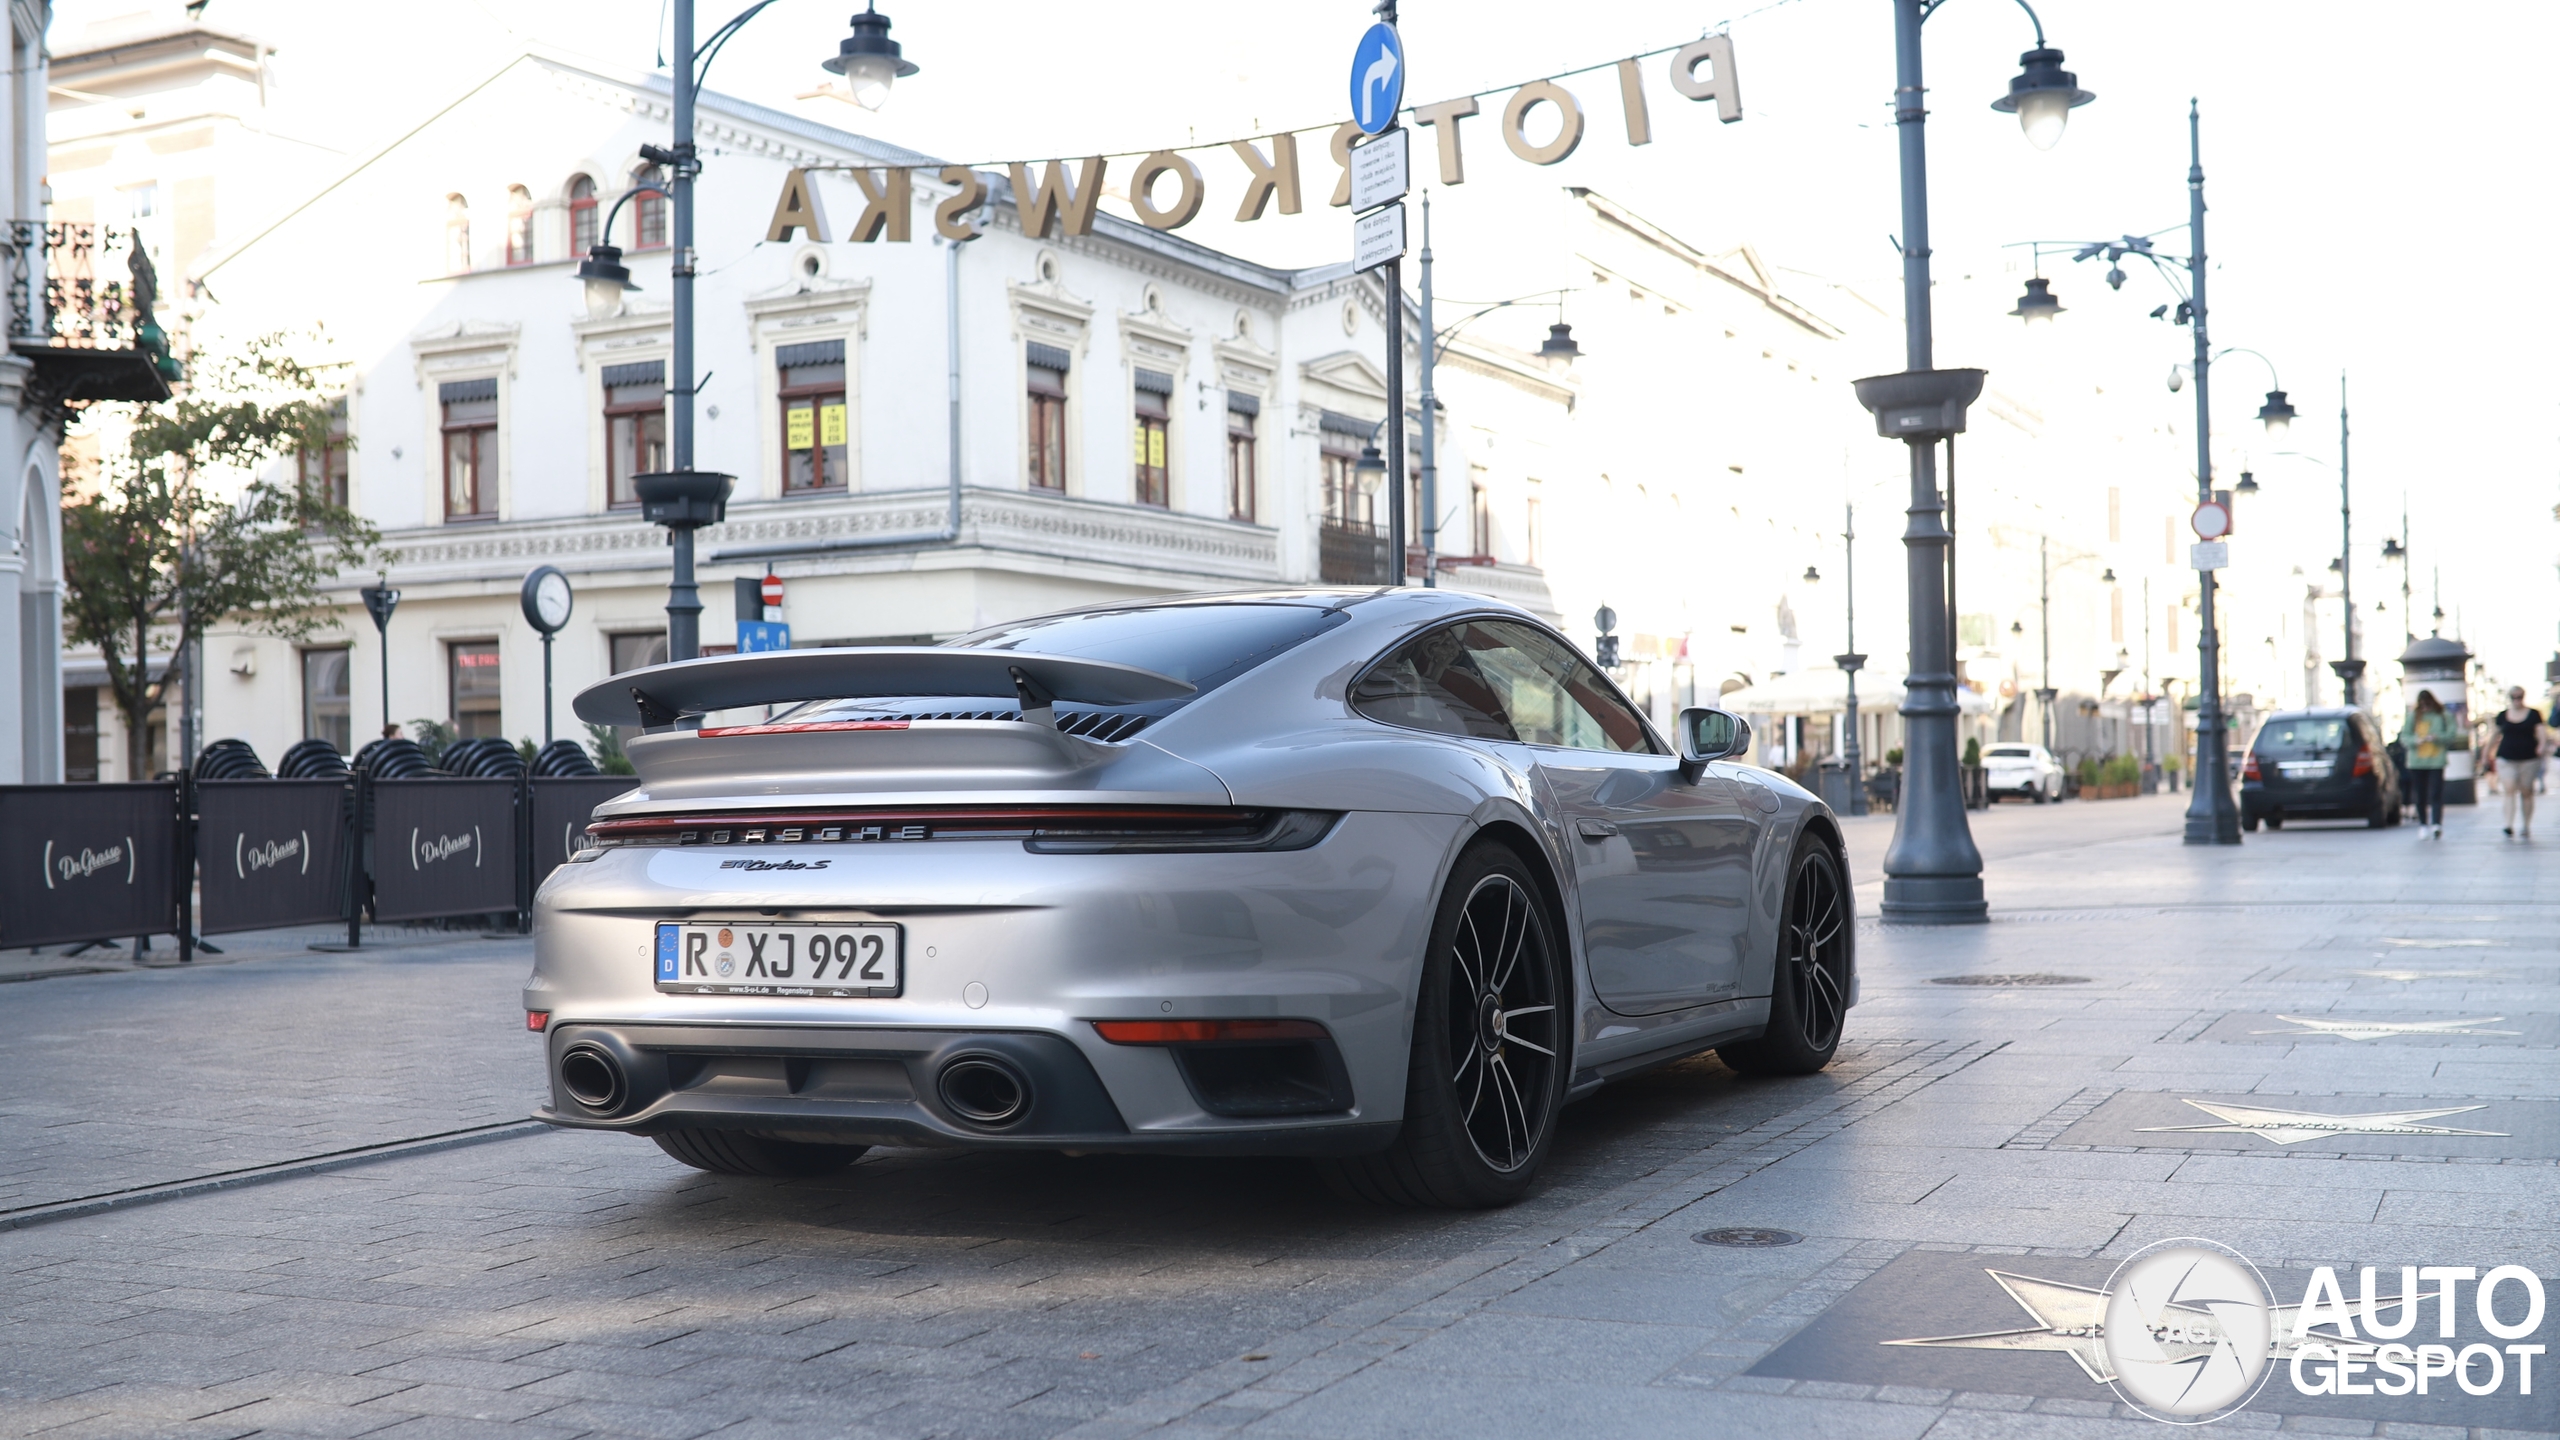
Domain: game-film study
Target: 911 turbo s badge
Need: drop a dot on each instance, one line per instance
(773, 864)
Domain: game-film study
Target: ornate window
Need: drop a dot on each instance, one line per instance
(457, 235)
(1242, 411)
(649, 211)
(817, 424)
(519, 225)
(470, 448)
(583, 215)
(1153, 419)
(635, 426)
(323, 472)
(1048, 414)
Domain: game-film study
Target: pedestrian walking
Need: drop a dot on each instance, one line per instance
(2521, 746)
(2428, 737)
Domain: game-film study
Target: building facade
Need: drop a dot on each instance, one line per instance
(1133, 413)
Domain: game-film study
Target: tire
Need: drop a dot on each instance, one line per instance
(2248, 821)
(2275, 822)
(1490, 1054)
(2377, 817)
(734, 1152)
(1809, 989)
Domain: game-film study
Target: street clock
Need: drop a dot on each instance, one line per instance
(547, 600)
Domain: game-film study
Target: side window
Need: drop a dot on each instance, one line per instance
(1556, 698)
(1435, 683)
(1494, 680)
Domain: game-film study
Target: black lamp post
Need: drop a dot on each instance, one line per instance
(1933, 872)
(379, 601)
(1853, 751)
(682, 498)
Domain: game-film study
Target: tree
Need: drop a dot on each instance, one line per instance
(158, 552)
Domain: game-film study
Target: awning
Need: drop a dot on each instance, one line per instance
(1825, 691)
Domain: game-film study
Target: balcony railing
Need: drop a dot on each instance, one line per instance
(1352, 552)
(80, 305)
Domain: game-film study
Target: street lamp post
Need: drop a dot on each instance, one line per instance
(681, 498)
(2212, 817)
(1853, 751)
(1933, 872)
(2351, 669)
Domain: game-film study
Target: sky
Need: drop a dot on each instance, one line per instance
(2366, 193)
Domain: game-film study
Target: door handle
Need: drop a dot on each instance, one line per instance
(1595, 829)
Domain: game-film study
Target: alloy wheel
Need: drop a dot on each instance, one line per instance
(1503, 1022)
(1813, 952)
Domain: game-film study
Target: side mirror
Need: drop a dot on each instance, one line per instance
(1709, 734)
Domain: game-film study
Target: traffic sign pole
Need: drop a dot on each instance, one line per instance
(1377, 97)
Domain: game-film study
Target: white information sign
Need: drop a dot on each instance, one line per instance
(2209, 555)
(1377, 238)
(1381, 170)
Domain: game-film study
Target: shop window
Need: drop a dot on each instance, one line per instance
(816, 423)
(1047, 370)
(80, 734)
(1154, 407)
(649, 211)
(519, 225)
(1242, 412)
(325, 712)
(583, 215)
(635, 426)
(639, 649)
(472, 676)
(470, 449)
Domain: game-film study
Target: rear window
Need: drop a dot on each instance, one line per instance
(2301, 737)
(1207, 645)
(2009, 752)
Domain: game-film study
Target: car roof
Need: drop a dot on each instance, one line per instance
(1420, 601)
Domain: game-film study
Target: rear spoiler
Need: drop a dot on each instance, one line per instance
(658, 696)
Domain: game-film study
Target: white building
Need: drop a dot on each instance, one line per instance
(1135, 413)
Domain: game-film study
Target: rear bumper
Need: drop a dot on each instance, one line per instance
(874, 1086)
(2353, 798)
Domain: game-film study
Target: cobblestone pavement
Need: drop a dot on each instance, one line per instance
(569, 1284)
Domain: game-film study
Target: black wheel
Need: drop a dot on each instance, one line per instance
(2275, 822)
(1489, 1052)
(1809, 990)
(2378, 816)
(734, 1152)
(2248, 821)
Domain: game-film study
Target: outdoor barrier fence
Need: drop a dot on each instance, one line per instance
(190, 857)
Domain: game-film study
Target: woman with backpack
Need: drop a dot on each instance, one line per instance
(2427, 737)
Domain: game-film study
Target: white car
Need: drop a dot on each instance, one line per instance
(2028, 770)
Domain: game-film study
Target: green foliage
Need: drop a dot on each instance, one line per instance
(1893, 756)
(606, 743)
(1973, 750)
(433, 736)
(526, 748)
(153, 553)
(2121, 770)
(2088, 769)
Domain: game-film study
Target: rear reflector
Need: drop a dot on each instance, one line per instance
(537, 1020)
(1200, 1032)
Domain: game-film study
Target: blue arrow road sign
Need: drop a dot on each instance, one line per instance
(1377, 79)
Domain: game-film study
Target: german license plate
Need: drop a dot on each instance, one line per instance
(852, 961)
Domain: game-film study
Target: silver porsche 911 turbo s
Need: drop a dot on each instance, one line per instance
(1381, 877)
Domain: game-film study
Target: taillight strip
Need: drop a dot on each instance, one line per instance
(1034, 815)
(718, 731)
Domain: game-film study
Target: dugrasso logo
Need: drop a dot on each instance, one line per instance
(61, 863)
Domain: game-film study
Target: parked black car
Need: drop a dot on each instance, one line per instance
(2323, 764)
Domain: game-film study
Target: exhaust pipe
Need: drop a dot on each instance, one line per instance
(593, 1078)
(985, 1089)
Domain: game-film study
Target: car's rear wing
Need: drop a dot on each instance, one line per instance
(661, 695)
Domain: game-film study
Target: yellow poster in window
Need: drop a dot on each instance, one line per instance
(798, 431)
(1155, 448)
(831, 424)
(1142, 442)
